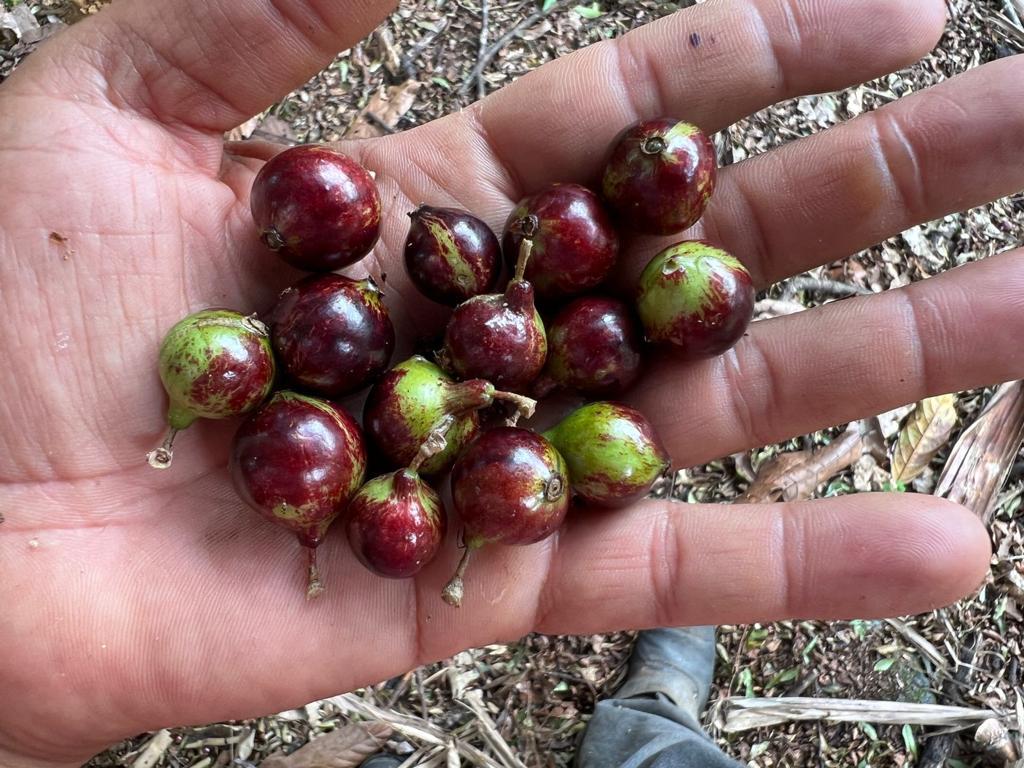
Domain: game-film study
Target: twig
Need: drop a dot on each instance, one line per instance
(939, 747)
(821, 285)
(502, 41)
(1014, 11)
(922, 644)
(1007, 26)
(154, 750)
(484, 23)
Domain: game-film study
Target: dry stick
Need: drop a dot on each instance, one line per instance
(485, 59)
(1014, 11)
(1012, 30)
(484, 23)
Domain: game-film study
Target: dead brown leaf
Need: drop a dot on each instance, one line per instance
(925, 431)
(384, 109)
(345, 747)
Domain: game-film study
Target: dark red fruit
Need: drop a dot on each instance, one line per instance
(509, 487)
(697, 297)
(319, 209)
(660, 176)
(498, 337)
(297, 461)
(575, 244)
(451, 255)
(594, 347)
(332, 335)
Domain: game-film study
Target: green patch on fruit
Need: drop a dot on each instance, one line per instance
(680, 281)
(449, 250)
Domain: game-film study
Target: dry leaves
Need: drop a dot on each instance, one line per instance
(22, 23)
(925, 431)
(384, 109)
(345, 747)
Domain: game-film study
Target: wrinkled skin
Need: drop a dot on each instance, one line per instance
(118, 583)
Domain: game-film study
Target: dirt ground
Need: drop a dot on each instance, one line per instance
(535, 695)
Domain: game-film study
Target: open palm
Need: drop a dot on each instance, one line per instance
(131, 599)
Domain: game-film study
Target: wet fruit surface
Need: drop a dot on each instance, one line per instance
(612, 451)
(697, 297)
(575, 244)
(297, 460)
(332, 335)
(594, 347)
(660, 176)
(317, 208)
(451, 255)
(396, 524)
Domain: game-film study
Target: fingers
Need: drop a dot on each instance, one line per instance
(946, 149)
(210, 64)
(712, 65)
(844, 361)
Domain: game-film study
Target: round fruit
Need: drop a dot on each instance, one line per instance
(214, 364)
(319, 209)
(511, 486)
(613, 453)
(594, 347)
(697, 297)
(332, 335)
(660, 176)
(575, 244)
(451, 255)
(297, 460)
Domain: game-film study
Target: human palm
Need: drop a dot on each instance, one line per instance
(133, 598)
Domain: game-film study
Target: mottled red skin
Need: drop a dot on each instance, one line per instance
(595, 346)
(292, 452)
(575, 245)
(498, 488)
(432, 273)
(496, 337)
(387, 427)
(397, 537)
(331, 334)
(237, 377)
(319, 209)
(657, 197)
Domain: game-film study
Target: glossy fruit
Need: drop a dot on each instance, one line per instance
(509, 487)
(319, 209)
(214, 364)
(408, 402)
(451, 255)
(332, 335)
(575, 244)
(594, 347)
(697, 297)
(660, 176)
(498, 337)
(612, 451)
(297, 461)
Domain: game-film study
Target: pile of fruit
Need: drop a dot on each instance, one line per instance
(301, 460)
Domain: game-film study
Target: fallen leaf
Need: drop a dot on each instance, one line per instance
(925, 431)
(384, 109)
(345, 747)
(22, 23)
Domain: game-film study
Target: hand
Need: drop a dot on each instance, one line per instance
(134, 599)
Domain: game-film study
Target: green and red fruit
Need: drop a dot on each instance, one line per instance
(297, 461)
(317, 208)
(332, 334)
(575, 245)
(510, 486)
(407, 403)
(451, 255)
(214, 364)
(594, 347)
(612, 451)
(660, 176)
(696, 296)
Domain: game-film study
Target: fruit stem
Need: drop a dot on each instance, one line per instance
(162, 457)
(525, 406)
(525, 250)
(453, 591)
(434, 443)
(314, 587)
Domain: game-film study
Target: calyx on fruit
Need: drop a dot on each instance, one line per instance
(612, 451)
(317, 208)
(451, 255)
(499, 337)
(408, 401)
(214, 364)
(660, 175)
(297, 461)
(510, 486)
(697, 297)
